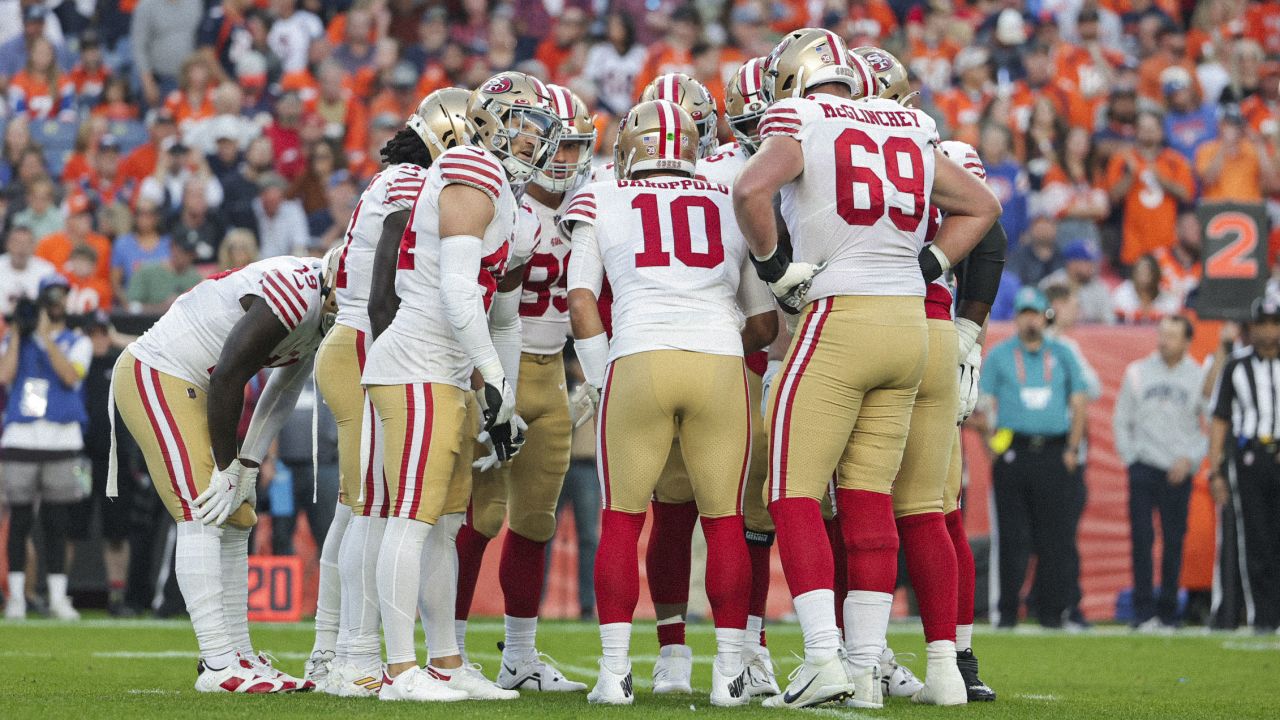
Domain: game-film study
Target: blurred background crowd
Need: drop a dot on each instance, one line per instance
(147, 144)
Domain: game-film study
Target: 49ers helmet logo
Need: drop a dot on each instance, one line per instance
(497, 85)
(878, 61)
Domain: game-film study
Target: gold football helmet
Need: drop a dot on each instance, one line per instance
(511, 116)
(577, 135)
(695, 98)
(809, 57)
(744, 103)
(892, 82)
(656, 135)
(441, 120)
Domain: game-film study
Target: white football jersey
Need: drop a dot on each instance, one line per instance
(391, 190)
(938, 296)
(420, 346)
(187, 341)
(676, 261)
(544, 301)
(723, 167)
(862, 203)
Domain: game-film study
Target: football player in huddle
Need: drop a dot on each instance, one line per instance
(351, 547)
(525, 492)
(856, 278)
(682, 287)
(418, 372)
(180, 391)
(674, 512)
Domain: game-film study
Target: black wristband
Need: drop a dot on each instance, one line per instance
(930, 268)
(773, 268)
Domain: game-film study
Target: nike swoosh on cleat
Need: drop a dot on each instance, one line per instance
(627, 686)
(788, 698)
(735, 687)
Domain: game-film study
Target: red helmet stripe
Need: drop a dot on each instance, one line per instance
(869, 88)
(665, 120)
(837, 48)
(755, 71)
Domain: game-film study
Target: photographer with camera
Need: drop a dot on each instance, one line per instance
(42, 365)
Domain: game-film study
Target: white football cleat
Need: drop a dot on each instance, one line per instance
(538, 674)
(612, 688)
(760, 672)
(471, 680)
(15, 608)
(239, 677)
(867, 691)
(897, 680)
(348, 680)
(61, 609)
(673, 671)
(814, 683)
(418, 685)
(729, 690)
(944, 684)
(288, 682)
(318, 667)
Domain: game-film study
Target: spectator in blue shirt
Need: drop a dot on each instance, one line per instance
(1186, 125)
(146, 245)
(1039, 392)
(1006, 178)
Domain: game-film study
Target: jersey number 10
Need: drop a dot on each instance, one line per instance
(849, 175)
(654, 256)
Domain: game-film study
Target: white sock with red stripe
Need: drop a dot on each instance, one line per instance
(438, 591)
(399, 571)
(329, 594)
(197, 565)
(235, 587)
(358, 568)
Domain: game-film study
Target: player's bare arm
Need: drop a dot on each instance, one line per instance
(383, 301)
(759, 331)
(971, 208)
(246, 352)
(779, 161)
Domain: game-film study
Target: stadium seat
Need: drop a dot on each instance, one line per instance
(130, 133)
(57, 139)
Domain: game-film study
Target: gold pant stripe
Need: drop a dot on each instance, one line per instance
(168, 417)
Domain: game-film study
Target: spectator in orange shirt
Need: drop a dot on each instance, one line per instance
(116, 103)
(568, 30)
(1148, 181)
(141, 162)
(88, 291)
(192, 100)
(400, 98)
(1172, 50)
(1262, 23)
(674, 53)
(1180, 266)
(89, 76)
(39, 90)
(345, 118)
(1069, 192)
(1235, 167)
(867, 22)
(56, 248)
(963, 104)
(1262, 109)
(1090, 66)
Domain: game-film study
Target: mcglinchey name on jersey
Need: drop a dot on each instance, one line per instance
(887, 118)
(674, 184)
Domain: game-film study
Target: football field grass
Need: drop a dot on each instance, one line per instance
(144, 669)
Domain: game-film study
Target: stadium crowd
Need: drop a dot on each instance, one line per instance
(150, 143)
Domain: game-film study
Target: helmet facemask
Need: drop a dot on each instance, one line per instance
(526, 142)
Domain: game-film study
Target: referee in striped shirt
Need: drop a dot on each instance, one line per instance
(1246, 419)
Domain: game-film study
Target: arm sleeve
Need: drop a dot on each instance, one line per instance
(463, 305)
(978, 277)
(1122, 419)
(504, 329)
(586, 267)
(274, 407)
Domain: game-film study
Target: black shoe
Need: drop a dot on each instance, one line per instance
(978, 690)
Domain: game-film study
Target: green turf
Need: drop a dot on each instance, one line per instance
(136, 670)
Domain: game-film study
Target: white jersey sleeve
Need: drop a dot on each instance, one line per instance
(420, 345)
(389, 191)
(723, 167)
(674, 257)
(862, 203)
(187, 341)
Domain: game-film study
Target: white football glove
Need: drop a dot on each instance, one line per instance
(497, 402)
(489, 461)
(507, 438)
(793, 286)
(970, 371)
(583, 402)
(766, 381)
(227, 489)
